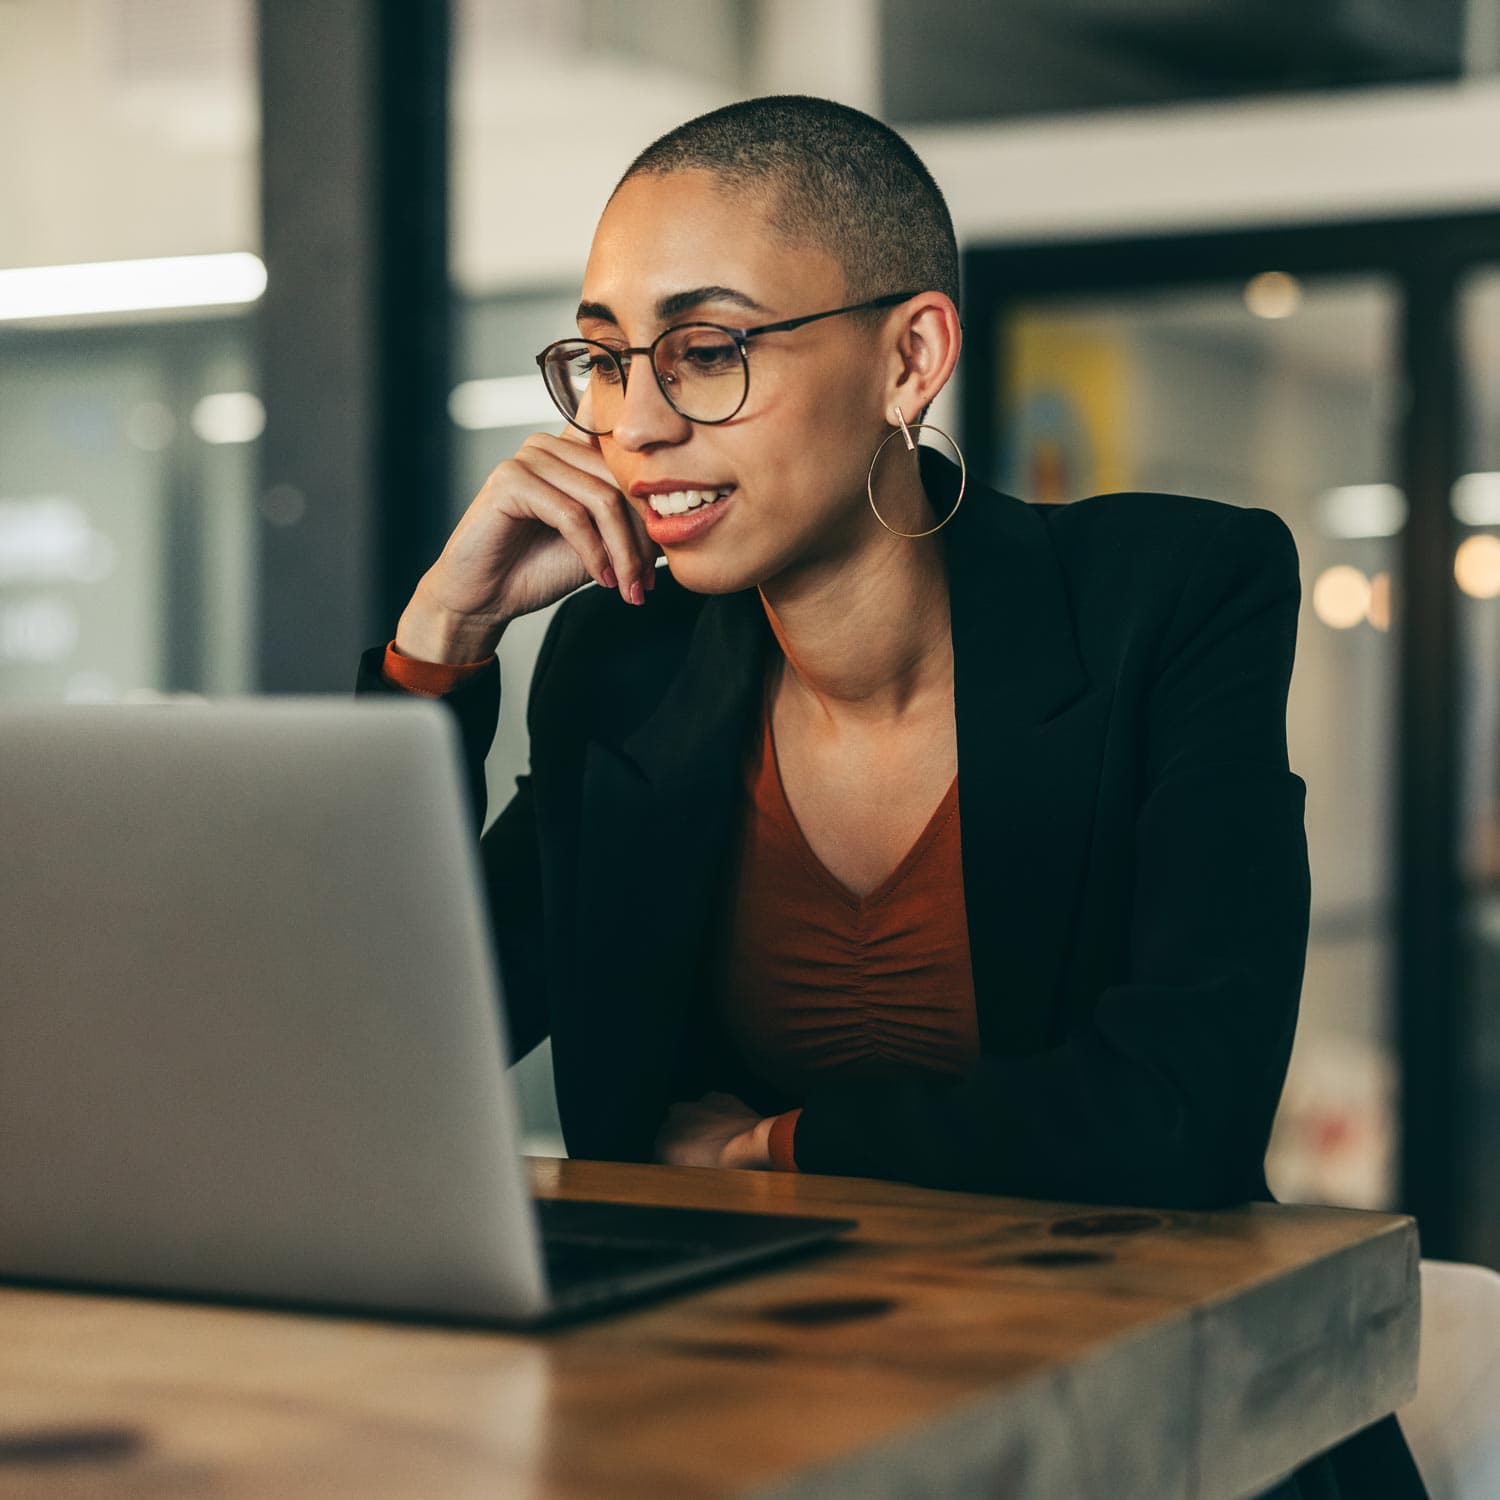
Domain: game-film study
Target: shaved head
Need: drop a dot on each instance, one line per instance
(828, 176)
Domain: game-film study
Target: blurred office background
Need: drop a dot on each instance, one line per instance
(1239, 249)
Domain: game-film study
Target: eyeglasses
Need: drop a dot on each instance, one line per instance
(701, 368)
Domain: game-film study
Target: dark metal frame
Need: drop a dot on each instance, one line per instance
(620, 355)
(1427, 259)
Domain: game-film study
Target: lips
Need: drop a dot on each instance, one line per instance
(677, 527)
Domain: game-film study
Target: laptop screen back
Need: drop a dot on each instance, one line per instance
(250, 1042)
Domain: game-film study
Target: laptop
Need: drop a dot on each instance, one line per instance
(251, 1035)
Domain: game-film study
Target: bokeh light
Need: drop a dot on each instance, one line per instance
(229, 417)
(1341, 596)
(1273, 294)
(1476, 566)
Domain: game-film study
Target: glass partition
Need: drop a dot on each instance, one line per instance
(127, 544)
(1273, 393)
(128, 406)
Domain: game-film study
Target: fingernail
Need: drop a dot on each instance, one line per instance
(608, 579)
(637, 593)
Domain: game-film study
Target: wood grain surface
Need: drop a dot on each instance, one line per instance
(958, 1345)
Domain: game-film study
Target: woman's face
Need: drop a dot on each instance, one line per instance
(679, 248)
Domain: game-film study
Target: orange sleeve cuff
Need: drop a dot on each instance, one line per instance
(430, 679)
(783, 1128)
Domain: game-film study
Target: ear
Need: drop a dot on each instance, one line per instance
(924, 355)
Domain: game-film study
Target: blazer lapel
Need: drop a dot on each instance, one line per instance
(1030, 746)
(658, 810)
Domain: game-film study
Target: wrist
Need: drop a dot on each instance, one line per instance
(429, 632)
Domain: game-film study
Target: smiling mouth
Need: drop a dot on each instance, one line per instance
(680, 502)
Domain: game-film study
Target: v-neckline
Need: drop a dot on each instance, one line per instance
(935, 824)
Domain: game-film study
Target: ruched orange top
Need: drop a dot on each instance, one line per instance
(816, 983)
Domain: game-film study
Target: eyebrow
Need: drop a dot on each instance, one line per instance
(677, 302)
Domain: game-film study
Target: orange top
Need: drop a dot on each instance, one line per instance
(817, 983)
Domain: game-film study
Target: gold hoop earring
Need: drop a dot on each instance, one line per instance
(904, 431)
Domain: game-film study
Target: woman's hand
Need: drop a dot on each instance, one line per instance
(716, 1131)
(544, 523)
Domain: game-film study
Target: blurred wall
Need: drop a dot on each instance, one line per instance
(128, 128)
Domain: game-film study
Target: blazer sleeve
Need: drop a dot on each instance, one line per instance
(1164, 1093)
(510, 850)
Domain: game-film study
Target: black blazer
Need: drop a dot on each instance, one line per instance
(1134, 863)
(1134, 859)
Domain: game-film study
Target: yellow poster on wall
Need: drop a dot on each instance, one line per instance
(1064, 418)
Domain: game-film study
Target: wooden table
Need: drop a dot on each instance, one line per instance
(961, 1345)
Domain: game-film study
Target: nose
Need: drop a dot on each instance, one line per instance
(646, 418)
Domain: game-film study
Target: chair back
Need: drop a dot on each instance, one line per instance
(1452, 1424)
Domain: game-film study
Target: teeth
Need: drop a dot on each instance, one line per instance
(679, 502)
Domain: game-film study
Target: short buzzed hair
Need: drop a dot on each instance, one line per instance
(834, 177)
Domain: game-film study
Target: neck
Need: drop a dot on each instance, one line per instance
(865, 631)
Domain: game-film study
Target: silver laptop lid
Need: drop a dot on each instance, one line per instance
(250, 1042)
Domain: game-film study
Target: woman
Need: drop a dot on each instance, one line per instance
(738, 889)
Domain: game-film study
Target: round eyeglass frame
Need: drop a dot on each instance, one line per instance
(621, 357)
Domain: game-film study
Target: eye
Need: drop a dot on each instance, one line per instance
(706, 359)
(598, 366)
(700, 354)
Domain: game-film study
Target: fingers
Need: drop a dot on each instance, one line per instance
(649, 551)
(579, 473)
(533, 497)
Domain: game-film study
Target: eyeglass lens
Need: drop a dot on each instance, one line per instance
(701, 371)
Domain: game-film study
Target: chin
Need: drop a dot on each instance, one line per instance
(707, 575)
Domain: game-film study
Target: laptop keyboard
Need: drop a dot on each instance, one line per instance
(598, 1253)
(590, 1242)
(571, 1263)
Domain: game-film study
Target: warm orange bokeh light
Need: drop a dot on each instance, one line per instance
(1341, 596)
(1476, 566)
(1273, 294)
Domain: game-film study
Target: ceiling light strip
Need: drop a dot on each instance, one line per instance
(120, 286)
